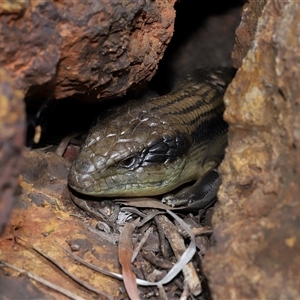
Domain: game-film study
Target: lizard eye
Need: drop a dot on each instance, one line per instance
(128, 162)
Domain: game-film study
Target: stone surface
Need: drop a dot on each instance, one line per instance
(257, 238)
(43, 217)
(245, 32)
(12, 131)
(97, 48)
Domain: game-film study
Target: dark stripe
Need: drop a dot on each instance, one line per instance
(194, 106)
(168, 103)
(179, 96)
(214, 111)
(210, 129)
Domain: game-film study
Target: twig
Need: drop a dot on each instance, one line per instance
(162, 293)
(43, 281)
(162, 240)
(110, 237)
(87, 286)
(178, 247)
(141, 243)
(205, 230)
(186, 292)
(89, 265)
(158, 262)
(198, 231)
(149, 217)
(60, 150)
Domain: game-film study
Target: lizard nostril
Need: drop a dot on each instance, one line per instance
(79, 182)
(83, 166)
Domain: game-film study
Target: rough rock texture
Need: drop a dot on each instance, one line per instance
(257, 237)
(43, 217)
(12, 131)
(245, 32)
(61, 48)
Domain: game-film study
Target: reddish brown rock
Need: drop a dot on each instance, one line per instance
(62, 48)
(12, 131)
(257, 238)
(245, 32)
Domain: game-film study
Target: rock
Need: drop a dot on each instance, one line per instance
(12, 135)
(96, 48)
(257, 238)
(245, 32)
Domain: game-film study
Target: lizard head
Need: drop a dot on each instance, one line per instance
(133, 154)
